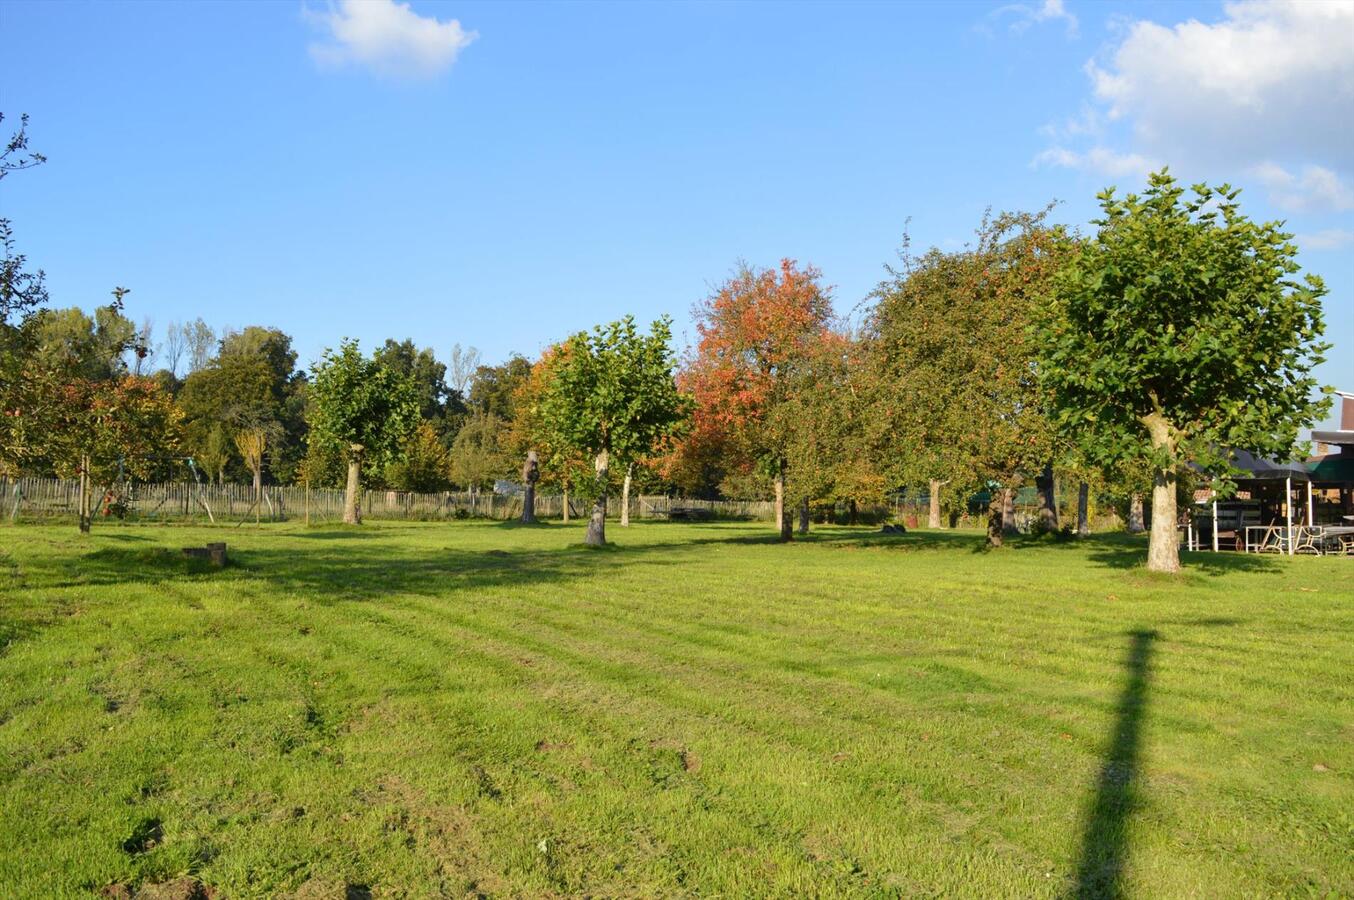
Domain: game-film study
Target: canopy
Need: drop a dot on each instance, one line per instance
(1257, 469)
(1338, 467)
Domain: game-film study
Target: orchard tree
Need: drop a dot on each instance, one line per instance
(105, 430)
(951, 372)
(756, 332)
(1182, 333)
(822, 420)
(363, 410)
(613, 398)
(530, 438)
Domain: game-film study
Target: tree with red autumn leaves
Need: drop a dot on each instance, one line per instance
(757, 333)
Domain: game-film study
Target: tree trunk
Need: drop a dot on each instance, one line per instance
(1083, 510)
(625, 496)
(86, 519)
(1048, 503)
(804, 515)
(995, 506)
(566, 503)
(1163, 548)
(782, 514)
(853, 516)
(531, 473)
(352, 505)
(1135, 525)
(1008, 519)
(258, 493)
(529, 504)
(933, 506)
(596, 533)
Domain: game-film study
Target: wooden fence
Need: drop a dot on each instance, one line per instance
(43, 498)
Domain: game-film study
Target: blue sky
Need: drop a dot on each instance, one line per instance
(375, 171)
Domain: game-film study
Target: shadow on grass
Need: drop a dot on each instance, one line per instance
(346, 569)
(358, 562)
(1114, 551)
(1104, 844)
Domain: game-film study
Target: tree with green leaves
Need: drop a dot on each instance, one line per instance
(1182, 333)
(950, 371)
(478, 456)
(424, 465)
(492, 387)
(250, 384)
(612, 397)
(529, 438)
(363, 410)
(84, 346)
(438, 403)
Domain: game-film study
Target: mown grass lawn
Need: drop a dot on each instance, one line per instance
(473, 708)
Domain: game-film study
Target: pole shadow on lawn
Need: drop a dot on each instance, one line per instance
(1104, 844)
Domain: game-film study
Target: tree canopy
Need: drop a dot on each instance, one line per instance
(1181, 332)
(612, 397)
(361, 409)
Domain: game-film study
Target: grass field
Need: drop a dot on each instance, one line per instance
(457, 709)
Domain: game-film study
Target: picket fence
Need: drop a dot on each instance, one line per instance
(43, 498)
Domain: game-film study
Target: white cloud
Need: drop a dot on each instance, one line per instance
(1274, 80)
(1317, 189)
(1328, 239)
(1023, 15)
(1098, 160)
(387, 37)
(1266, 92)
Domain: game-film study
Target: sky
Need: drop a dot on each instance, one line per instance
(502, 175)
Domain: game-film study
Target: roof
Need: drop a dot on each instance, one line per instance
(1342, 438)
(1334, 467)
(1267, 469)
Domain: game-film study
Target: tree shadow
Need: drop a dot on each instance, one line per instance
(1104, 844)
(1130, 556)
(340, 567)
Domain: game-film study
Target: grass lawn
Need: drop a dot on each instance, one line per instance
(414, 710)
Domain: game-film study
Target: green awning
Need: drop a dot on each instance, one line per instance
(1338, 467)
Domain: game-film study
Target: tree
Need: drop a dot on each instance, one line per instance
(83, 346)
(612, 397)
(424, 465)
(146, 350)
(1179, 334)
(438, 404)
(465, 361)
(102, 430)
(477, 456)
(951, 370)
(756, 331)
(493, 386)
(251, 383)
(559, 464)
(200, 341)
(214, 455)
(252, 443)
(821, 417)
(361, 409)
(172, 347)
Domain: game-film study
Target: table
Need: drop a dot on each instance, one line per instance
(1338, 539)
